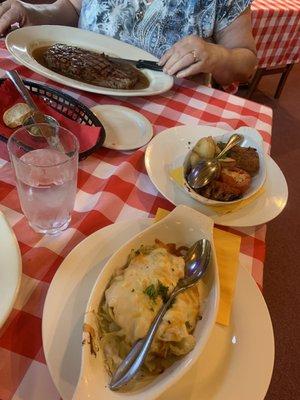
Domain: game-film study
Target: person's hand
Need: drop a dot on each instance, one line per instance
(11, 12)
(190, 56)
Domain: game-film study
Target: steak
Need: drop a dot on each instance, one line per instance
(246, 158)
(90, 67)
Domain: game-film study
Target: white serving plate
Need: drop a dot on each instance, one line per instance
(21, 43)
(183, 226)
(125, 129)
(251, 139)
(10, 269)
(167, 151)
(236, 363)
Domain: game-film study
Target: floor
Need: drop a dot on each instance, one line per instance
(282, 267)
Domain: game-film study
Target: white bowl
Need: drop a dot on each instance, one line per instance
(182, 226)
(251, 139)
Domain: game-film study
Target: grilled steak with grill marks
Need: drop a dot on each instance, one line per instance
(90, 67)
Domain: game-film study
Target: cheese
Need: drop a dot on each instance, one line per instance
(133, 301)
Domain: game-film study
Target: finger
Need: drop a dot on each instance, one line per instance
(8, 18)
(165, 57)
(183, 43)
(179, 53)
(182, 63)
(191, 70)
(175, 57)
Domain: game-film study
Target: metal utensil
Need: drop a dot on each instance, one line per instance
(208, 170)
(140, 64)
(37, 117)
(196, 263)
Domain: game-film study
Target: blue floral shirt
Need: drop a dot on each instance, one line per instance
(163, 23)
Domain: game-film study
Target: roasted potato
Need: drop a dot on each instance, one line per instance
(236, 178)
(205, 148)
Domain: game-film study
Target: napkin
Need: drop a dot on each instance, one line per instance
(177, 176)
(86, 135)
(227, 248)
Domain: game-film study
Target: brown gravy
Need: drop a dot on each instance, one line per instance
(38, 55)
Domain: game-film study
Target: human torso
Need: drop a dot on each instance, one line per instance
(152, 25)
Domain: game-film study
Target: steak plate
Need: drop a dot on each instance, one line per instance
(91, 67)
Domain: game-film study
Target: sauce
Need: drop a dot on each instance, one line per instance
(38, 55)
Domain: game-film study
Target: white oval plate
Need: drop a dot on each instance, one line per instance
(167, 151)
(125, 129)
(21, 43)
(183, 226)
(236, 363)
(10, 268)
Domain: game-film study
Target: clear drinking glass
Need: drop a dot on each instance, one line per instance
(46, 176)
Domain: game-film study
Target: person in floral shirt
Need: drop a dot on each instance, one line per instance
(189, 37)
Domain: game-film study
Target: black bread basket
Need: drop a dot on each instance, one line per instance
(67, 106)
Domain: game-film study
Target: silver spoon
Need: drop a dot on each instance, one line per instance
(196, 263)
(208, 170)
(37, 117)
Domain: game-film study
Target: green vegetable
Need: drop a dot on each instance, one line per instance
(162, 291)
(151, 292)
(188, 325)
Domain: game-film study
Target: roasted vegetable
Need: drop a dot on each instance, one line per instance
(205, 148)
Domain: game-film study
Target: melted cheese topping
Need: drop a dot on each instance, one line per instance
(133, 309)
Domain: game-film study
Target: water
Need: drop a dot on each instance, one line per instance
(47, 192)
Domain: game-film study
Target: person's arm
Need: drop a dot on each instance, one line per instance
(232, 58)
(62, 12)
(240, 58)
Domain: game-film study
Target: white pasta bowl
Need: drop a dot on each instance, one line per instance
(251, 139)
(183, 226)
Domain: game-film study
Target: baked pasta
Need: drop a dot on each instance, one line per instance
(132, 300)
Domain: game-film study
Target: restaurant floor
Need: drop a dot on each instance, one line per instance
(282, 267)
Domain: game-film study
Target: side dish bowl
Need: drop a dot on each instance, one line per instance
(251, 139)
(183, 226)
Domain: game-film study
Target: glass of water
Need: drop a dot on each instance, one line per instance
(46, 175)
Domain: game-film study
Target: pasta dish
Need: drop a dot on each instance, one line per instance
(132, 299)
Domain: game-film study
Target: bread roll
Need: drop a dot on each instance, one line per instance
(16, 115)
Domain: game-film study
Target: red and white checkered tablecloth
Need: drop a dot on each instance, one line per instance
(276, 29)
(112, 186)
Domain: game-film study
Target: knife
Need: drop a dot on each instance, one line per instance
(147, 64)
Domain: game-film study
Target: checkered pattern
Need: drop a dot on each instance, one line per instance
(276, 29)
(112, 186)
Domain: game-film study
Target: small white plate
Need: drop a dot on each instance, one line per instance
(168, 149)
(21, 42)
(237, 362)
(125, 129)
(10, 269)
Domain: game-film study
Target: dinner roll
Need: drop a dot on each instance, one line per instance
(16, 115)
